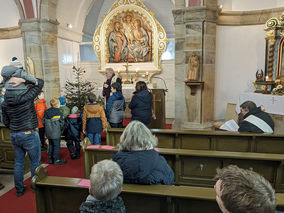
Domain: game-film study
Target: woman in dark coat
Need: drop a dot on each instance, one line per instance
(141, 104)
(138, 160)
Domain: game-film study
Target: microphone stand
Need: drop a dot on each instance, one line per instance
(165, 90)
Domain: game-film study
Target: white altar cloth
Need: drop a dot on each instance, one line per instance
(272, 104)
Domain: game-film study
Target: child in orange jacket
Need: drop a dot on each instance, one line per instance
(40, 107)
(94, 120)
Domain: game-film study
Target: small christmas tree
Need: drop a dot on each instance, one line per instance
(78, 90)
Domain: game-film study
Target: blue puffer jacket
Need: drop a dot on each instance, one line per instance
(141, 106)
(144, 167)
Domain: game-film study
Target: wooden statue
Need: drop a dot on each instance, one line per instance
(193, 68)
(30, 66)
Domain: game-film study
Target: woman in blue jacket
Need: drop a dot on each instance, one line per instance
(138, 160)
(141, 104)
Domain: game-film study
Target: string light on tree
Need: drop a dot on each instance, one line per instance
(78, 90)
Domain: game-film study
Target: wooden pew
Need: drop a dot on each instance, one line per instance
(7, 151)
(198, 167)
(60, 194)
(211, 140)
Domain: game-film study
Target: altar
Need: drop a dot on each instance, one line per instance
(273, 104)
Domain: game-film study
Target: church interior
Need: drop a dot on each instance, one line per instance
(202, 58)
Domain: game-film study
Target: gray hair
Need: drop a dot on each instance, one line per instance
(110, 70)
(106, 180)
(137, 136)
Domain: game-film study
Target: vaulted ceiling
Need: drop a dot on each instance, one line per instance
(85, 15)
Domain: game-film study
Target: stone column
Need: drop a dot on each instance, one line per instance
(195, 33)
(40, 44)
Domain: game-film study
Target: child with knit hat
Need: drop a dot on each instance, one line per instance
(15, 69)
(73, 127)
(65, 110)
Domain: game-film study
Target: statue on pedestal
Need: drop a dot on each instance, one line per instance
(193, 68)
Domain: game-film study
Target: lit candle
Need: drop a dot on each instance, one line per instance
(266, 78)
(147, 73)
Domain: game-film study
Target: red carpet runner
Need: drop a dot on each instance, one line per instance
(10, 203)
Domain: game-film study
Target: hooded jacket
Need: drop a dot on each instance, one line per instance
(19, 113)
(246, 126)
(144, 167)
(141, 106)
(53, 123)
(91, 205)
(40, 107)
(115, 108)
(94, 118)
(14, 71)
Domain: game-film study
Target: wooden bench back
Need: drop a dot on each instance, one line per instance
(198, 167)
(211, 140)
(60, 194)
(7, 155)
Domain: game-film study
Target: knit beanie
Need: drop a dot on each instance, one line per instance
(15, 62)
(62, 101)
(74, 110)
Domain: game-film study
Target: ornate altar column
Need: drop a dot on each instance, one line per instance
(40, 44)
(195, 34)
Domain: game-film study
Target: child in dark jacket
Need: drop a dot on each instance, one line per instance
(94, 120)
(105, 185)
(53, 124)
(115, 106)
(73, 127)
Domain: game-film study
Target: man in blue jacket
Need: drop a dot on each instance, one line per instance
(20, 117)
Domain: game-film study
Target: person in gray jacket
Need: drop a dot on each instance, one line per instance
(53, 125)
(115, 106)
(15, 69)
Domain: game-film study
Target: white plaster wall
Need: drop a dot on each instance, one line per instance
(246, 5)
(68, 56)
(10, 48)
(240, 51)
(9, 14)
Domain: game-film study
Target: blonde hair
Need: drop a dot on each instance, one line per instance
(106, 180)
(137, 136)
(54, 102)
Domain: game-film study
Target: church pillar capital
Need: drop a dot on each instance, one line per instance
(42, 25)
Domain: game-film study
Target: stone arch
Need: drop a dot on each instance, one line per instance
(20, 8)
